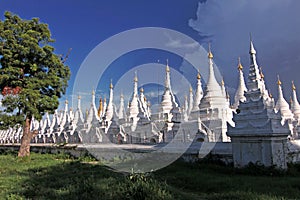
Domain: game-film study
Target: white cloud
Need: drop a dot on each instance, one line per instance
(274, 27)
(176, 43)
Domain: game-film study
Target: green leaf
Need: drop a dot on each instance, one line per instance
(28, 62)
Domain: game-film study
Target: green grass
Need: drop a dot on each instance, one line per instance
(59, 176)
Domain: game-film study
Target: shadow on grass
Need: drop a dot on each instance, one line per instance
(216, 181)
(73, 179)
(70, 180)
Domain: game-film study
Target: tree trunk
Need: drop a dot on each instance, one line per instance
(26, 138)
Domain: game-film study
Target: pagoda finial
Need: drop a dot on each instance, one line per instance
(111, 85)
(293, 86)
(198, 75)
(167, 67)
(240, 67)
(79, 102)
(100, 109)
(210, 55)
(191, 89)
(222, 82)
(278, 81)
(142, 90)
(93, 92)
(66, 101)
(252, 50)
(135, 77)
(270, 95)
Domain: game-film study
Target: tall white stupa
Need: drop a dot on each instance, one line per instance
(258, 135)
(241, 89)
(283, 106)
(198, 93)
(214, 108)
(168, 98)
(295, 107)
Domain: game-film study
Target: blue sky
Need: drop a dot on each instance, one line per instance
(82, 25)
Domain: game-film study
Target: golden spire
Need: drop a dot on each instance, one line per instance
(293, 86)
(93, 92)
(135, 77)
(261, 73)
(210, 55)
(270, 95)
(222, 82)
(66, 102)
(104, 99)
(111, 85)
(100, 109)
(167, 67)
(191, 89)
(278, 81)
(142, 90)
(79, 97)
(198, 75)
(240, 66)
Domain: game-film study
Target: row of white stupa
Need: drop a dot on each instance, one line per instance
(211, 111)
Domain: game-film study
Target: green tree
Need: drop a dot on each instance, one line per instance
(32, 76)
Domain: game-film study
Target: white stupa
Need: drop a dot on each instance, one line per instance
(78, 116)
(214, 107)
(168, 98)
(198, 93)
(258, 135)
(122, 112)
(191, 101)
(110, 107)
(295, 107)
(282, 105)
(240, 92)
(133, 106)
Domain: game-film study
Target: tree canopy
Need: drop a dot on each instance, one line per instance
(32, 76)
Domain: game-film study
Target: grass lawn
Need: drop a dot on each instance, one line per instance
(57, 176)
